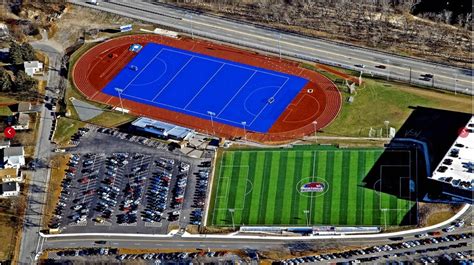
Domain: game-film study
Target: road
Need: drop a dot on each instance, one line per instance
(40, 178)
(399, 68)
(139, 242)
(227, 242)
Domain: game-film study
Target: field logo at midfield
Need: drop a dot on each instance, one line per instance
(313, 187)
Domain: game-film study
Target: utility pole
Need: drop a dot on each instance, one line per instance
(409, 81)
(188, 15)
(455, 83)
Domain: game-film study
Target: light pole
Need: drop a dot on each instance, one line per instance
(386, 126)
(212, 114)
(119, 92)
(409, 79)
(306, 212)
(231, 211)
(315, 124)
(244, 123)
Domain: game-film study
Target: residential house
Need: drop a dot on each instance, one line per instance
(9, 189)
(12, 157)
(33, 67)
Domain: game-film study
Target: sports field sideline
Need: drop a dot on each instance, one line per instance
(263, 187)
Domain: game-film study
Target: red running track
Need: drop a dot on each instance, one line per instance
(317, 104)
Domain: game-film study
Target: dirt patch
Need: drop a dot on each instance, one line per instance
(54, 187)
(434, 213)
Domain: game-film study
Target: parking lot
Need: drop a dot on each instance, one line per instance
(129, 187)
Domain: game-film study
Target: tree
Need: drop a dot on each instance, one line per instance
(16, 56)
(23, 82)
(27, 51)
(20, 53)
(5, 80)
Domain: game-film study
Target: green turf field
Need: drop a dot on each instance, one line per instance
(262, 187)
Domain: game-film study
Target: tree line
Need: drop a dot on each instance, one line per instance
(17, 80)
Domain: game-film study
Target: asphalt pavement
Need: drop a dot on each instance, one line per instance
(397, 67)
(38, 187)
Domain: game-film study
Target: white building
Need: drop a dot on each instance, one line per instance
(23, 122)
(9, 189)
(12, 157)
(456, 170)
(32, 67)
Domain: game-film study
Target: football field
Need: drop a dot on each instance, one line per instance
(314, 185)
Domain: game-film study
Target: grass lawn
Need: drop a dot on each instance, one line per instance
(378, 101)
(6, 100)
(65, 129)
(107, 119)
(264, 188)
(5, 111)
(112, 118)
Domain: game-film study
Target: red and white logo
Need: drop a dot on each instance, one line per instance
(9, 132)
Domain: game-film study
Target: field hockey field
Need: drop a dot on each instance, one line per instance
(263, 187)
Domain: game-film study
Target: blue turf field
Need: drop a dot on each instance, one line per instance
(201, 86)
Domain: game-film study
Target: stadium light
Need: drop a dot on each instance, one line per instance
(212, 114)
(120, 91)
(315, 123)
(386, 126)
(306, 212)
(244, 123)
(231, 211)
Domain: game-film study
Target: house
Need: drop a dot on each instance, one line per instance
(12, 157)
(24, 107)
(32, 67)
(22, 121)
(4, 33)
(4, 143)
(11, 174)
(9, 189)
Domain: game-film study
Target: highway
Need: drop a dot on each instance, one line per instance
(398, 68)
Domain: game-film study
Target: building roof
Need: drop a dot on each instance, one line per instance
(9, 186)
(32, 64)
(23, 118)
(457, 166)
(161, 128)
(13, 151)
(24, 106)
